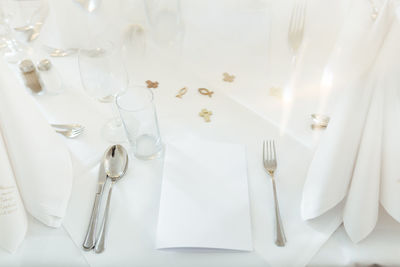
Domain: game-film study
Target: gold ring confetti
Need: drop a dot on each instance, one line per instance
(205, 91)
(182, 92)
(228, 78)
(206, 114)
(151, 84)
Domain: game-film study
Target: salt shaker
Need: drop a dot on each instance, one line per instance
(31, 76)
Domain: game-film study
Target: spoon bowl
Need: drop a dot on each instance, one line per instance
(116, 162)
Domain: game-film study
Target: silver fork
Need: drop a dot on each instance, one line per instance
(68, 130)
(270, 165)
(296, 27)
(57, 52)
(70, 133)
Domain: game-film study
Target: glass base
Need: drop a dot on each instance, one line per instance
(113, 131)
(147, 147)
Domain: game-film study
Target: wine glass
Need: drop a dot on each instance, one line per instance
(134, 53)
(23, 20)
(103, 77)
(165, 21)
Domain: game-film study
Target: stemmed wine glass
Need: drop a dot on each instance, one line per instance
(134, 53)
(103, 77)
(21, 22)
(165, 21)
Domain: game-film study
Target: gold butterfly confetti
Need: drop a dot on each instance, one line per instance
(228, 78)
(151, 84)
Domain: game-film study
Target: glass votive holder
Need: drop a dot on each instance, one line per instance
(139, 118)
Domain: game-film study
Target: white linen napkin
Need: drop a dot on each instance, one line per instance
(38, 156)
(13, 222)
(331, 169)
(347, 164)
(204, 200)
(362, 204)
(390, 182)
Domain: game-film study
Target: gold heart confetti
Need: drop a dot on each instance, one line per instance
(228, 78)
(182, 92)
(206, 114)
(151, 84)
(205, 91)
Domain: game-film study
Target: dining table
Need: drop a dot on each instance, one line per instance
(247, 39)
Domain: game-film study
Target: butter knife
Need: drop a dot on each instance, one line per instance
(90, 238)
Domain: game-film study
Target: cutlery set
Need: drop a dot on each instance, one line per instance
(112, 167)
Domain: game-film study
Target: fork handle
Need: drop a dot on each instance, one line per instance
(280, 238)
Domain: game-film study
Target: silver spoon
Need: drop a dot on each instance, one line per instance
(115, 165)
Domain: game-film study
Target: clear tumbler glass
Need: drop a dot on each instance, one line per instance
(139, 118)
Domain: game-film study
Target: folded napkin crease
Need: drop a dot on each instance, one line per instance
(39, 159)
(355, 159)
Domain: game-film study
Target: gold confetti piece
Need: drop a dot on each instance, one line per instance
(151, 84)
(205, 91)
(228, 78)
(182, 92)
(205, 114)
(275, 91)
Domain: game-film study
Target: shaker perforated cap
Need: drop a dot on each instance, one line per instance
(26, 66)
(44, 65)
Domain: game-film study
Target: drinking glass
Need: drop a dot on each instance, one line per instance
(139, 117)
(103, 77)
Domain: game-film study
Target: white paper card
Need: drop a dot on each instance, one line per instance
(204, 197)
(398, 13)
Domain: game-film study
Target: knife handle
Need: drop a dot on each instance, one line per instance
(90, 238)
(100, 243)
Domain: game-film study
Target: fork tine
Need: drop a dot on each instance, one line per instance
(291, 23)
(273, 149)
(294, 20)
(302, 17)
(298, 16)
(264, 148)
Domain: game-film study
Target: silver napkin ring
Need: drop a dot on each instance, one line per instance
(320, 121)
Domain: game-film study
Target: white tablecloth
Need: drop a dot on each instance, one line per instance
(232, 122)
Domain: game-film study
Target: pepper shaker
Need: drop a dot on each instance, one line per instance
(31, 76)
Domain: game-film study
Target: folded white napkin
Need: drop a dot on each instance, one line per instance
(390, 169)
(13, 222)
(39, 157)
(204, 200)
(347, 165)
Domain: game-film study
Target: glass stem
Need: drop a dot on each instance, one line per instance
(115, 113)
